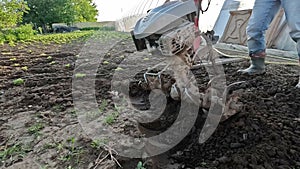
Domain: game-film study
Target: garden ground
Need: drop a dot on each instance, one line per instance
(40, 129)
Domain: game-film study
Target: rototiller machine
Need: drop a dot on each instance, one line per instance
(172, 30)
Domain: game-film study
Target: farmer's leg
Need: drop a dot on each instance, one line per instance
(261, 17)
(292, 9)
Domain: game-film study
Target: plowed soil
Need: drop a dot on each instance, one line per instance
(39, 127)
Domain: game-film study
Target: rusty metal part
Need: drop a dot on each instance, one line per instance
(184, 89)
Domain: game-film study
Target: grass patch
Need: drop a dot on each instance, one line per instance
(16, 151)
(35, 129)
(97, 144)
(111, 118)
(73, 155)
(103, 105)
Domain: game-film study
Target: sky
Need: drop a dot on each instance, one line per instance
(110, 10)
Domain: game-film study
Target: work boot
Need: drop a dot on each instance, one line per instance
(257, 64)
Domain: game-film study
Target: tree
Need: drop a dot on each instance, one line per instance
(44, 13)
(85, 11)
(11, 12)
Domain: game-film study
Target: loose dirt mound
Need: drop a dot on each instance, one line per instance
(39, 124)
(264, 134)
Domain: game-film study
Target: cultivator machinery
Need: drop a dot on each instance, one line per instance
(172, 31)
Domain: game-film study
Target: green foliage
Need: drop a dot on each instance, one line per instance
(11, 12)
(57, 108)
(43, 13)
(2, 38)
(106, 62)
(80, 75)
(97, 144)
(119, 69)
(52, 63)
(74, 154)
(140, 165)
(24, 68)
(111, 118)
(24, 32)
(18, 82)
(61, 37)
(35, 129)
(103, 105)
(84, 10)
(27, 34)
(68, 65)
(12, 152)
(12, 35)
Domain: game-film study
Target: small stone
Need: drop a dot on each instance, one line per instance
(245, 136)
(223, 159)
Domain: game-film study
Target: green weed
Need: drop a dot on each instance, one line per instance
(35, 129)
(68, 65)
(103, 105)
(74, 152)
(24, 68)
(97, 144)
(119, 69)
(106, 62)
(57, 108)
(80, 75)
(111, 118)
(16, 151)
(140, 165)
(18, 82)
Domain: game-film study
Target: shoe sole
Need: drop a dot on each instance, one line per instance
(252, 73)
